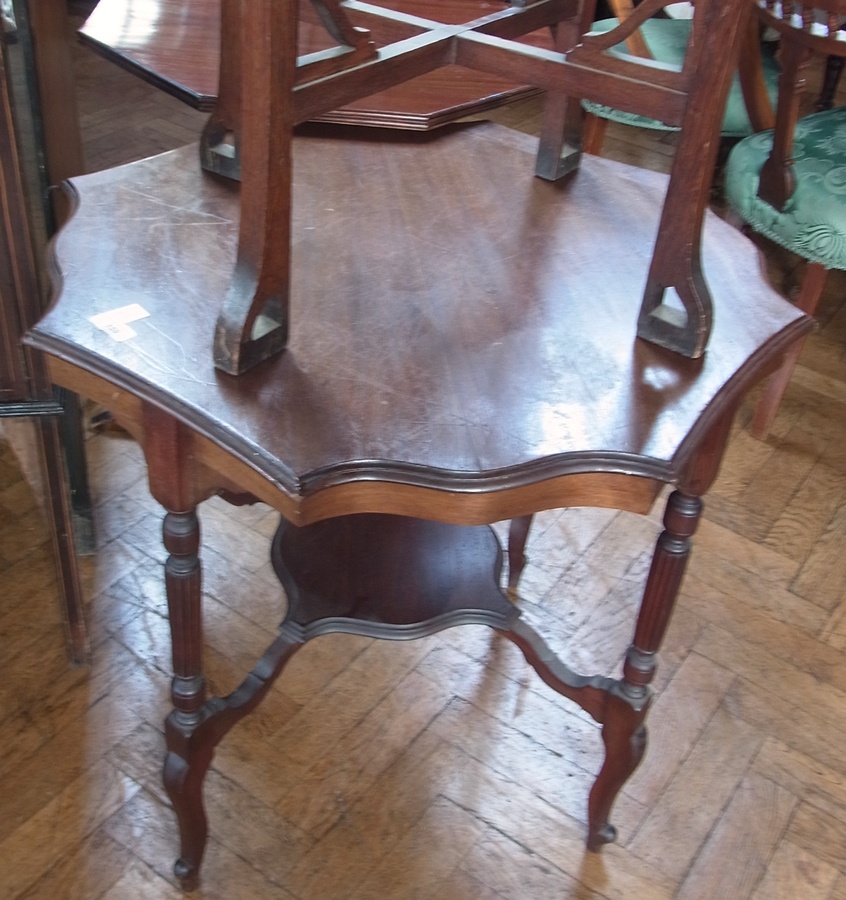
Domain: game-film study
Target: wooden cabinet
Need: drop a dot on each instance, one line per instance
(39, 145)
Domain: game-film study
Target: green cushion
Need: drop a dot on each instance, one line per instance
(813, 222)
(667, 41)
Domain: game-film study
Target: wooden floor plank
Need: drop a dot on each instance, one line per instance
(794, 872)
(801, 774)
(678, 824)
(59, 826)
(676, 723)
(739, 850)
(819, 827)
(445, 833)
(337, 780)
(839, 890)
(531, 821)
(509, 869)
(797, 530)
(96, 865)
(823, 573)
(371, 826)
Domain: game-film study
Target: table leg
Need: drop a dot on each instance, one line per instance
(623, 731)
(196, 725)
(185, 767)
(186, 763)
(183, 581)
(624, 736)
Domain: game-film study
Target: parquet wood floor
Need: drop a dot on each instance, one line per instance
(442, 768)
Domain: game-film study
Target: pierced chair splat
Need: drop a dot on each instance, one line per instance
(414, 338)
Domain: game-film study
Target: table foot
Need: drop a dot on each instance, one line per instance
(183, 781)
(623, 731)
(624, 736)
(187, 874)
(599, 837)
(191, 745)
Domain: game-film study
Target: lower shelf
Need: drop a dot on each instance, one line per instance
(389, 576)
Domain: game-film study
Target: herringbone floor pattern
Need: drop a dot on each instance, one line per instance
(442, 768)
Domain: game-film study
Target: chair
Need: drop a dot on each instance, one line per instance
(665, 40)
(463, 344)
(788, 183)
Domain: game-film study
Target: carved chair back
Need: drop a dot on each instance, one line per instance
(804, 29)
(785, 182)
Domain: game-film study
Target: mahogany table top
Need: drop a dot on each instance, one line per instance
(174, 44)
(463, 334)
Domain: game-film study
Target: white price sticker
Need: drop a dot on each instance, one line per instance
(115, 322)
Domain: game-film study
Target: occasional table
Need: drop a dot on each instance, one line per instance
(396, 340)
(450, 364)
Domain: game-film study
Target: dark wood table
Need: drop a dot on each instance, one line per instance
(452, 363)
(174, 44)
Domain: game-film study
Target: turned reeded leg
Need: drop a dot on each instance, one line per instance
(197, 725)
(624, 732)
(665, 576)
(183, 582)
(183, 775)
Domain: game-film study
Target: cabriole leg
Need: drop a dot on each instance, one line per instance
(624, 736)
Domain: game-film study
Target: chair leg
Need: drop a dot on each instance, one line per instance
(831, 79)
(593, 134)
(810, 292)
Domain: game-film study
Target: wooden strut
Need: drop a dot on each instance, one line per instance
(273, 91)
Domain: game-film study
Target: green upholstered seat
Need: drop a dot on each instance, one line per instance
(813, 222)
(667, 41)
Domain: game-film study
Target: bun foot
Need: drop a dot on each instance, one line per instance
(606, 834)
(186, 872)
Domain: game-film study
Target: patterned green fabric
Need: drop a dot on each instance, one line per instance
(813, 222)
(667, 41)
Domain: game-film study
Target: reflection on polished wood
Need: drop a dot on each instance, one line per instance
(175, 45)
